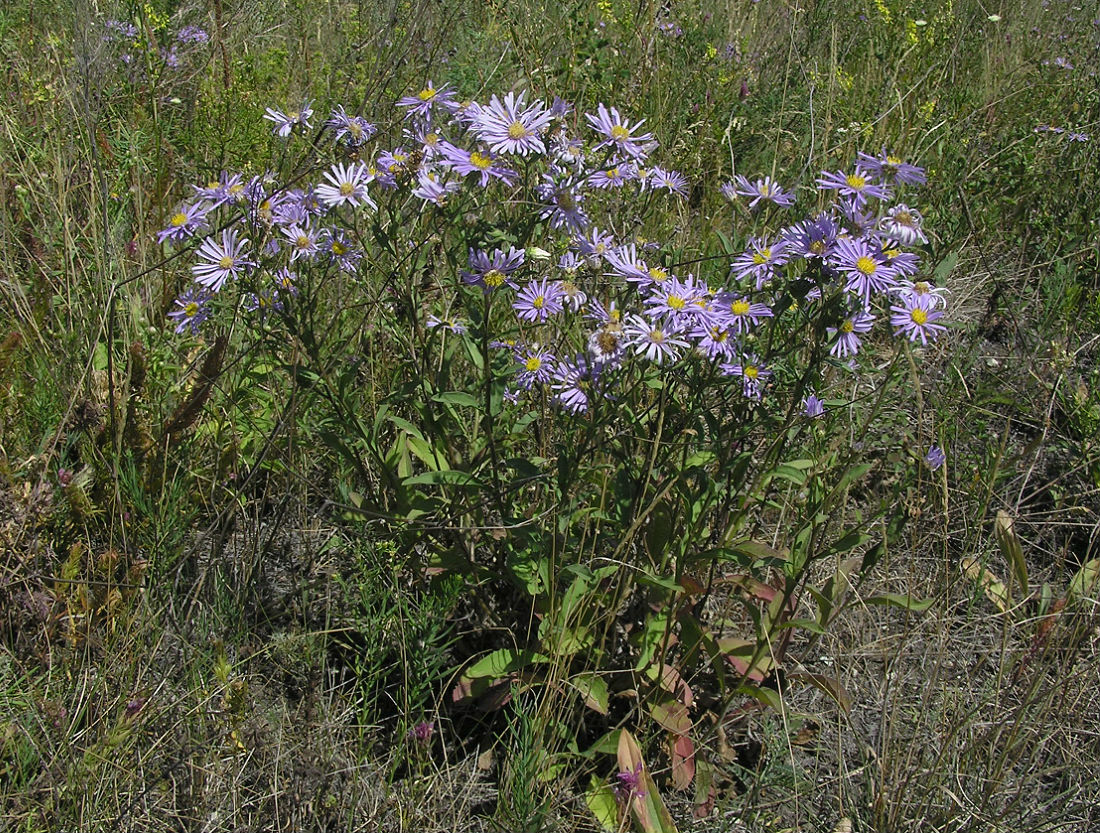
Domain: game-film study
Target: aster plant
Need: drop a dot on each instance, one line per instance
(610, 414)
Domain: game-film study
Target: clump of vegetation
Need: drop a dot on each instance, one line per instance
(660, 417)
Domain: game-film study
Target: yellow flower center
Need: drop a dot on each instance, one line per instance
(213, 184)
(751, 371)
(922, 287)
(762, 257)
(607, 341)
(847, 326)
(612, 173)
(856, 181)
(426, 94)
(493, 278)
(480, 160)
(866, 265)
(191, 310)
(903, 218)
(303, 241)
(431, 139)
(893, 161)
(817, 247)
(891, 253)
(539, 302)
(619, 133)
(739, 307)
(292, 116)
(676, 302)
(533, 363)
(516, 130)
(919, 316)
(355, 130)
(657, 336)
(226, 262)
(338, 248)
(346, 189)
(658, 274)
(179, 219)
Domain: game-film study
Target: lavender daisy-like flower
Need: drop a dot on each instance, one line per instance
(813, 239)
(431, 187)
(752, 374)
(658, 341)
(286, 122)
(607, 345)
(192, 308)
(867, 270)
(347, 185)
(512, 126)
(890, 168)
(761, 261)
(354, 131)
(762, 189)
(675, 301)
(850, 329)
(595, 246)
(480, 162)
(221, 261)
(672, 181)
(538, 301)
(340, 250)
(933, 293)
(856, 186)
(903, 224)
(572, 297)
(739, 313)
(714, 341)
(573, 383)
(184, 223)
(813, 407)
(618, 133)
(563, 208)
(916, 317)
(492, 271)
(447, 323)
(935, 457)
(903, 263)
(614, 177)
(536, 366)
(303, 241)
(430, 96)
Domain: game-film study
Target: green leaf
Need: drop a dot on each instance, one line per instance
(945, 267)
(1086, 580)
(503, 661)
(593, 689)
(830, 685)
(904, 601)
(672, 715)
(600, 798)
(768, 696)
(445, 476)
(457, 397)
(1009, 542)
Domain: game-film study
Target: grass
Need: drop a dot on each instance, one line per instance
(228, 600)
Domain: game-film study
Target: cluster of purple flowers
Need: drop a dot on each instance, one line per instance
(126, 38)
(605, 303)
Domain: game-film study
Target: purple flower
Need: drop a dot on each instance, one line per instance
(618, 134)
(630, 783)
(935, 457)
(480, 162)
(538, 301)
(303, 241)
(286, 122)
(813, 407)
(347, 185)
(813, 239)
(509, 126)
(433, 188)
(493, 271)
(564, 204)
(340, 250)
(221, 261)
(856, 186)
(614, 177)
(192, 34)
(752, 374)
(761, 261)
(353, 130)
(761, 189)
(573, 382)
(536, 367)
(422, 103)
(891, 169)
(739, 313)
(192, 308)
(228, 188)
(674, 300)
(903, 224)
(448, 324)
(422, 732)
(184, 223)
(867, 270)
(658, 341)
(848, 341)
(934, 293)
(673, 181)
(916, 316)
